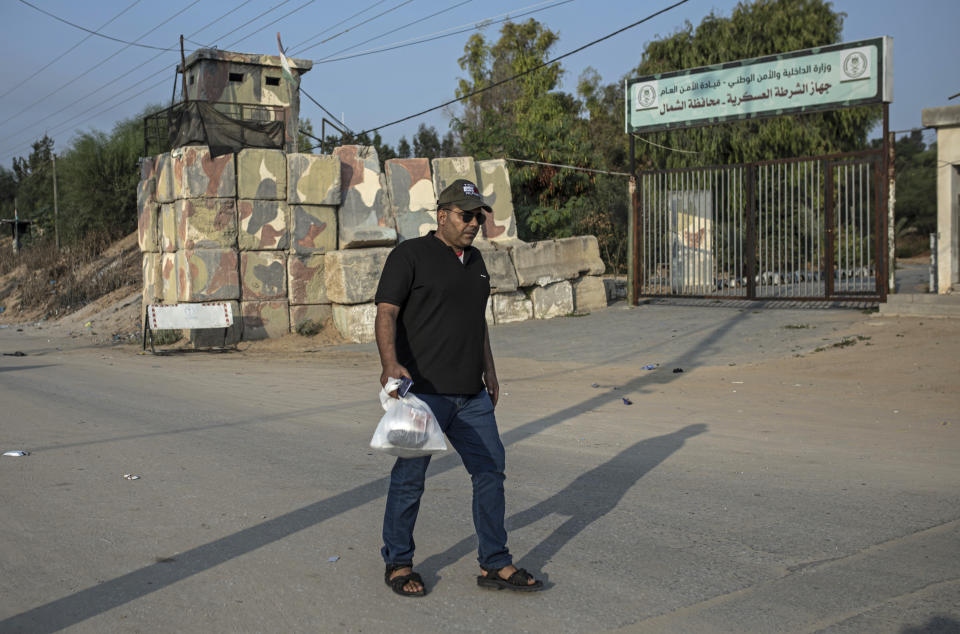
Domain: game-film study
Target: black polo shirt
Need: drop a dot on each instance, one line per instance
(442, 313)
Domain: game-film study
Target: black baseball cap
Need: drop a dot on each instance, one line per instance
(464, 195)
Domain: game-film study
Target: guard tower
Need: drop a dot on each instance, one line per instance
(247, 87)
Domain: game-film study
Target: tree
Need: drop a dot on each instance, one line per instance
(305, 136)
(916, 173)
(526, 118)
(426, 142)
(98, 182)
(403, 148)
(35, 184)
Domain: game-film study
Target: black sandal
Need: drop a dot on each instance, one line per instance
(519, 581)
(396, 584)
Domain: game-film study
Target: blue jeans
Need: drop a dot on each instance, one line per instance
(471, 428)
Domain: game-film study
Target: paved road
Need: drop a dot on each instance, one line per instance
(722, 500)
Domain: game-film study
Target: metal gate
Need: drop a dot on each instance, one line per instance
(795, 229)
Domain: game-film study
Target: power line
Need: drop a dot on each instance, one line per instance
(66, 123)
(253, 19)
(423, 19)
(666, 147)
(530, 70)
(324, 109)
(569, 167)
(437, 35)
(232, 44)
(484, 22)
(62, 55)
(330, 28)
(92, 32)
(370, 19)
(80, 115)
(89, 70)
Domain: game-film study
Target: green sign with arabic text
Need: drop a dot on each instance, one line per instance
(823, 78)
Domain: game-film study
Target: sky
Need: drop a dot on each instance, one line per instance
(61, 80)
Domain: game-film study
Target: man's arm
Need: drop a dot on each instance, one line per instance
(489, 370)
(385, 328)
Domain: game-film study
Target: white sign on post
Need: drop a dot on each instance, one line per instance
(183, 316)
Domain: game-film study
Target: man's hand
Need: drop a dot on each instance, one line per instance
(493, 386)
(393, 371)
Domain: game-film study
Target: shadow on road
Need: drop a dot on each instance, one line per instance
(95, 600)
(583, 501)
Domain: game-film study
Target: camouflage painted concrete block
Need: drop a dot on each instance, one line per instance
(263, 225)
(265, 320)
(447, 170)
(503, 277)
(163, 169)
(306, 280)
(152, 280)
(313, 228)
(148, 217)
(549, 261)
(589, 294)
(206, 223)
(169, 292)
(168, 228)
(355, 322)
(412, 200)
(367, 236)
(263, 275)
(207, 275)
(313, 179)
(262, 174)
(365, 218)
(494, 183)
(218, 337)
(510, 307)
(352, 276)
(148, 167)
(198, 175)
(554, 300)
(312, 316)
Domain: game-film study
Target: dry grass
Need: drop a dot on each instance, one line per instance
(57, 282)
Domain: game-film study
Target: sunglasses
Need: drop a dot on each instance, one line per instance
(468, 216)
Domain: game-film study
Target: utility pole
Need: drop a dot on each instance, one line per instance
(56, 208)
(16, 228)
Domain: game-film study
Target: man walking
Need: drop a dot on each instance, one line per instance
(431, 328)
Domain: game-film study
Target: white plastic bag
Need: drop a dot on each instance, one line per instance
(408, 429)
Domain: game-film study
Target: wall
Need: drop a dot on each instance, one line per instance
(290, 239)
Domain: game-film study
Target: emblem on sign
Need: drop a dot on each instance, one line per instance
(645, 96)
(855, 66)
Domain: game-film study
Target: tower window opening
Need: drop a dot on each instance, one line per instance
(236, 76)
(273, 81)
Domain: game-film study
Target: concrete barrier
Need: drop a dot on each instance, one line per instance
(365, 218)
(306, 279)
(263, 225)
(207, 274)
(553, 300)
(262, 174)
(413, 201)
(263, 275)
(206, 223)
(356, 321)
(264, 320)
(352, 276)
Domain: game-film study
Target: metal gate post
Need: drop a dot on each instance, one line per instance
(885, 168)
(750, 249)
(633, 232)
(828, 233)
